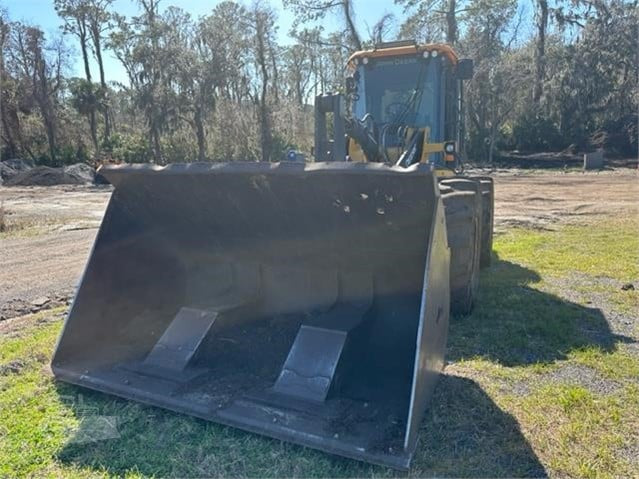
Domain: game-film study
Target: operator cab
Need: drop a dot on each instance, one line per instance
(400, 88)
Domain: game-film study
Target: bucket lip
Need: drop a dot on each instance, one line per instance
(400, 459)
(114, 172)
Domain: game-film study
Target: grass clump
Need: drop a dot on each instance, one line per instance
(619, 365)
(3, 219)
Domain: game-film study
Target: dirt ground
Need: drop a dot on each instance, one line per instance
(542, 200)
(42, 255)
(51, 229)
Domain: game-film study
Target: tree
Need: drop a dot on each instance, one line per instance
(596, 86)
(87, 99)
(141, 46)
(263, 30)
(313, 10)
(327, 55)
(223, 88)
(298, 60)
(540, 50)
(382, 27)
(74, 13)
(434, 20)
(488, 105)
(224, 45)
(12, 96)
(98, 20)
(39, 67)
(195, 77)
(4, 33)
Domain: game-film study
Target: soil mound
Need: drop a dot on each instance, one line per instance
(6, 173)
(44, 176)
(82, 171)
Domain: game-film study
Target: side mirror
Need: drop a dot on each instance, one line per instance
(464, 70)
(351, 85)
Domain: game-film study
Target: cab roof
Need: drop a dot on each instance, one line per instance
(403, 48)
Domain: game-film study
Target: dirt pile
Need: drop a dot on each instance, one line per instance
(43, 176)
(78, 174)
(18, 164)
(81, 171)
(6, 173)
(20, 307)
(10, 168)
(562, 159)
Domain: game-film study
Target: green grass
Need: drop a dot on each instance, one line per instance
(579, 433)
(607, 248)
(620, 365)
(25, 228)
(540, 381)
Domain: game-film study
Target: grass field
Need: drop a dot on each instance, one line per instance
(543, 378)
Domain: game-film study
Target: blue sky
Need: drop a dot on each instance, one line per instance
(41, 12)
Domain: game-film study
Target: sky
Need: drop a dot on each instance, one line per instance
(42, 13)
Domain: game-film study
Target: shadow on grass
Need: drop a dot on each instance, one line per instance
(464, 434)
(516, 324)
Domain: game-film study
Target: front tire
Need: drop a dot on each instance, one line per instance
(463, 205)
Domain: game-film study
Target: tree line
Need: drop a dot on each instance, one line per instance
(559, 75)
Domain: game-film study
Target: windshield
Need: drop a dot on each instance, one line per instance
(401, 91)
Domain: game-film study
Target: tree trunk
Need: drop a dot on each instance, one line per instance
(451, 22)
(299, 95)
(276, 82)
(41, 90)
(350, 24)
(199, 132)
(155, 145)
(265, 127)
(94, 131)
(154, 114)
(494, 123)
(98, 56)
(83, 47)
(491, 149)
(82, 33)
(2, 120)
(322, 81)
(50, 128)
(7, 136)
(540, 50)
(13, 131)
(265, 130)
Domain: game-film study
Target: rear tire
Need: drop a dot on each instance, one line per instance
(463, 206)
(488, 219)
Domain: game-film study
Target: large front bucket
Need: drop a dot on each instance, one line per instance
(305, 302)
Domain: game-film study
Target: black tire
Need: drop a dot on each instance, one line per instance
(463, 207)
(488, 219)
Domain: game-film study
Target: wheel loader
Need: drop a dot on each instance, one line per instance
(305, 301)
